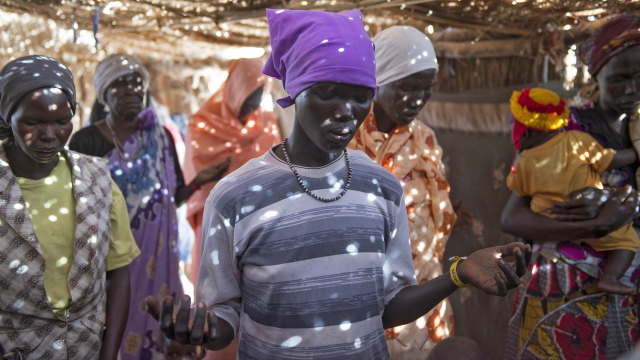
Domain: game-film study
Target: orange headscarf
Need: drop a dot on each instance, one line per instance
(215, 132)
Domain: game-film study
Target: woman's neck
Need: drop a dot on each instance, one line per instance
(122, 128)
(616, 120)
(25, 167)
(383, 121)
(304, 152)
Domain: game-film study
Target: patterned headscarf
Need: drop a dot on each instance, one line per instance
(310, 47)
(617, 35)
(113, 67)
(538, 109)
(26, 74)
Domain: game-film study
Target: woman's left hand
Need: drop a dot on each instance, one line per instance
(212, 173)
(486, 269)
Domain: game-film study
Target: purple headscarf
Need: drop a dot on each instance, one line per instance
(310, 47)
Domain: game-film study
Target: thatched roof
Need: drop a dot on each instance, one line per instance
(161, 26)
(187, 44)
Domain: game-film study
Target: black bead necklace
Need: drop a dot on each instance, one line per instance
(295, 172)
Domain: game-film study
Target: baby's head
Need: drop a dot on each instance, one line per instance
(176, 351)
(538, 115)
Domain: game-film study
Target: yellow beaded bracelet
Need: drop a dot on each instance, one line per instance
(454, 271)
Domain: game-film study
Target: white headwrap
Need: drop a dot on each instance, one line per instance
(113, 67)
(402, 51)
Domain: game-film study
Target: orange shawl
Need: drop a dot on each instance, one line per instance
(215, 131)
(413, 155)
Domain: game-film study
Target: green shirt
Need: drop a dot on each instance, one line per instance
(52, 208)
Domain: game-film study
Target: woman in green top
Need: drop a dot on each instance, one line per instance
(65, 240)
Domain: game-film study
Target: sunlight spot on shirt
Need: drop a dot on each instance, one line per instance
(62, 261)
(372, 238)
(292, 342)
(53, 218)
(22, 269)
(443, 205)
(18, 206)
(268, 215)
(357, 343)
(58, 344)
(352, 249)
(414, 191)
(214, 257)
(371, 197)
(421, 323)
(247, 209)
(421, 246)
(318, 324)
(346, 325)
(18, 304)
(14, 264)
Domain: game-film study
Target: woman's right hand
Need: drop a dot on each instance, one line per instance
(622, 208)
(584, 204)
(185, 324)
(610, 211)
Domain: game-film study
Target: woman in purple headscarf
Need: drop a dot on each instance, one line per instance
(143, 163)
(307, 247)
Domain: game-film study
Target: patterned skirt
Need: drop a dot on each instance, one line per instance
(559, 313)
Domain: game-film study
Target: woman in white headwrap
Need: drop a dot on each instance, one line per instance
(406, 71)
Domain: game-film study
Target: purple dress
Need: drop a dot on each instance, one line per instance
(145, 174)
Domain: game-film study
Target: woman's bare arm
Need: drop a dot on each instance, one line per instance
(572, 220)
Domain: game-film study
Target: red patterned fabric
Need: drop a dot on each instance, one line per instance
(533, 106)
(619, 34)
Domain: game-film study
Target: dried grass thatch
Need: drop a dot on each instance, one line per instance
(187, 44)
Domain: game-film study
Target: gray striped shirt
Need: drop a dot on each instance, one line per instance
(299, 278)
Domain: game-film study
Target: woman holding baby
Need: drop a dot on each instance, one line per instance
(560, 310)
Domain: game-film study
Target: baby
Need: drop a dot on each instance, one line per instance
(551, 164)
